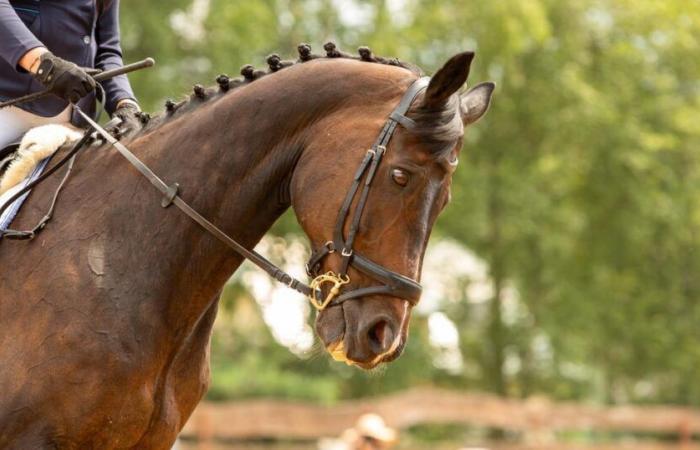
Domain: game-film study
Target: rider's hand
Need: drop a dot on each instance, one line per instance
(129, 112)
(63, 78)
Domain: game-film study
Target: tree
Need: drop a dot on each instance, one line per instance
(580, 188)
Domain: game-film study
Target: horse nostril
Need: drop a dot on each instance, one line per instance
(380, 337)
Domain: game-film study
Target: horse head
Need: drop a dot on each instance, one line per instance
(368, 205)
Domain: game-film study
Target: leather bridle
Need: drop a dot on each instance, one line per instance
(390, 283)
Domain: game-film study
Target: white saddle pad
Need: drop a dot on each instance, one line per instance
(34, 153)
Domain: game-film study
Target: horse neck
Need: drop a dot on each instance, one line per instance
(232, 175)
(234, 159)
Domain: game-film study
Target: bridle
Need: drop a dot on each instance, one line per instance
(390, 283)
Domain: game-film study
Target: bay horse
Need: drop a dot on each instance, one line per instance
(106, 317)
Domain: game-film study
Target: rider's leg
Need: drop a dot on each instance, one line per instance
(14, 122)
(12, 126)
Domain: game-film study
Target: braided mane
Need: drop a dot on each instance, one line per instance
(249, 74)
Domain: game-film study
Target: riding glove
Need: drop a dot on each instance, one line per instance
(63, 78)
(130, 115)
(128, 111)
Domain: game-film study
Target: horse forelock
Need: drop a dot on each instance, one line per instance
(439, 129)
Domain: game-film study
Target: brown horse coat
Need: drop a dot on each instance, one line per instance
(105, 318)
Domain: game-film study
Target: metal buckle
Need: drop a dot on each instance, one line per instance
(346, 253)
(329, 277)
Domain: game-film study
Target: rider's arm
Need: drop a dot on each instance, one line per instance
(109, 56)
(18, 46)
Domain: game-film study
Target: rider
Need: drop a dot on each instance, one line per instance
(43, 45)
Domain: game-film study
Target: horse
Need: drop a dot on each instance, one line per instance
(106, 317)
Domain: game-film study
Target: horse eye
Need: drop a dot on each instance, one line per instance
(400, 177)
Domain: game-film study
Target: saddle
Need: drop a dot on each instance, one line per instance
(22, 166)
(36, 145)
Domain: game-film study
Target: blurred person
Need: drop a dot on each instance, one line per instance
(43, 45)
(369, 433)
(373, 433)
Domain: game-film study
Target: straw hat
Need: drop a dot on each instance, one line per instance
(373, 426)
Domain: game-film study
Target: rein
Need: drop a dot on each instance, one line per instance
(391, 283)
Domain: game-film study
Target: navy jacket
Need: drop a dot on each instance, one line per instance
(71, 29)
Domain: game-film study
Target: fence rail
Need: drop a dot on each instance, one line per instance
(252, 419)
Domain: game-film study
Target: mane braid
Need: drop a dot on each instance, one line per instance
(202, 95)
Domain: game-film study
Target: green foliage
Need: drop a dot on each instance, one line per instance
(580, 188)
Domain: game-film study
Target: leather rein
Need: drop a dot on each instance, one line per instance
(390, 283)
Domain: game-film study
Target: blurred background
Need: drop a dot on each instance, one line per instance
(562, 302)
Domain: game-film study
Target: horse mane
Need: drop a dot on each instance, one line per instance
(439, 129)
(200, 94)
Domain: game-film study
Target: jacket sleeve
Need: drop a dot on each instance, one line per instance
(15, 37)
(109, 56)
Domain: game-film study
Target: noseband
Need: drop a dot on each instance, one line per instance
(391, 283)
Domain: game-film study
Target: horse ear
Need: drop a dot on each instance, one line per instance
(448, 80)
(475, 102)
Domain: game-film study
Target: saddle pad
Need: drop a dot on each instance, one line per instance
(11, 212)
